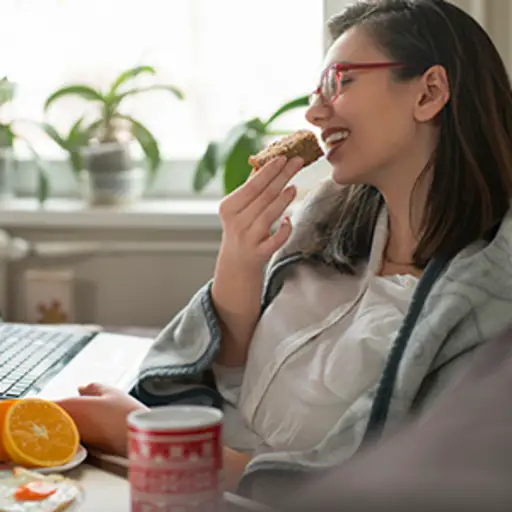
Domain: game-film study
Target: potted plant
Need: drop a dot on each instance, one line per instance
(99, 148)
(8, 135)
(230, 155)
(73, 142)
(7, 90)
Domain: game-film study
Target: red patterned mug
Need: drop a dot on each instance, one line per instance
(175, 458)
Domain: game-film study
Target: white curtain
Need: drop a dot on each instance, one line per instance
(232, 58)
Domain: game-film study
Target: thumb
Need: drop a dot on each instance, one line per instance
(93, 389)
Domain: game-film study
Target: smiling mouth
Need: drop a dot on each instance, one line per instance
(335, 141)
(335, 138)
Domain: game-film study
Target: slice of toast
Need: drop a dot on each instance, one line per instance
(67, 492)
(301, 143)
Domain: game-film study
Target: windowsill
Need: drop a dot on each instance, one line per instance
(178, 211)
(198, 214)
(172, 214)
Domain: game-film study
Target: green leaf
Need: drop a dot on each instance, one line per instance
(148, 144)
(140, 90)
(278, 133)
(7, 136)
(76, 132)
(84, 91)
(43, 182)
(236, 133)
(258, 125)
(77, 139)
(225, 147)
(76, 162)
(302, 101)
(80, 135)
(206, 168)
(68, 146)
(237, 168)
(54, 135)
(128, 75)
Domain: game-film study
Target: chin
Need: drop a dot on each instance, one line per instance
(345, 175)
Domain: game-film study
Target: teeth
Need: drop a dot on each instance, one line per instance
(336, 137)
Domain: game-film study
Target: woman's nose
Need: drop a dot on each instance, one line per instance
(318, 112)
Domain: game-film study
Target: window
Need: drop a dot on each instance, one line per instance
(232, 58)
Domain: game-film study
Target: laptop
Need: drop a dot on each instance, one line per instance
(53, 361)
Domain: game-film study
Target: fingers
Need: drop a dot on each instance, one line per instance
(249, 213)
(76, 402)
(277, 240)
(234, 467)
(94, 389)
(261, 225)
(271, 192)
(252, 188)
(278, 168)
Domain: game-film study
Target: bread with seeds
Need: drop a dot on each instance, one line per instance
(301, 143)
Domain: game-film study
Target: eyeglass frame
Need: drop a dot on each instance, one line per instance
(341, 68)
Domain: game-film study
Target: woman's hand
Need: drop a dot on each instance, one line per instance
(248, 214)
(234, 467)
(100, 413)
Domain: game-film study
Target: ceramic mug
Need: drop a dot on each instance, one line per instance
(175, 459)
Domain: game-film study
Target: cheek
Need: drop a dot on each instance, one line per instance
(393, 125)
(366, 119)
(377, 121)
(362, 108)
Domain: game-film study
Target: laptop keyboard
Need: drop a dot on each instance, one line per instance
(28, 352)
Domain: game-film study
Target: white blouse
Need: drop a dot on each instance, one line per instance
(296, 387)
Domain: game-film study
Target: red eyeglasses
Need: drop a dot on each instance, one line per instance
(331, 81)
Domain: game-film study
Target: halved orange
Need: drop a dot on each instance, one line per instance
(4, 407)
(39, 433)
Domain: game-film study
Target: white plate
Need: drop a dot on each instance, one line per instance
(81, 455)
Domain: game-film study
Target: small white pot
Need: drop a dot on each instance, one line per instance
(117, 188)
(6, 174)
(109, 178)
(7, 91)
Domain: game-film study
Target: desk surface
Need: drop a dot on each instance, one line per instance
(103, 490)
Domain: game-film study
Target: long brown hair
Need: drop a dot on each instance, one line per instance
(470, 178)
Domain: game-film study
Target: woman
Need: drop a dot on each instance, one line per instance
(387, 279)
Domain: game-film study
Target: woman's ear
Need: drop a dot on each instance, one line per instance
(433, 95)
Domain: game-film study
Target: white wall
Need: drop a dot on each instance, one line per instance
(121, 290)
